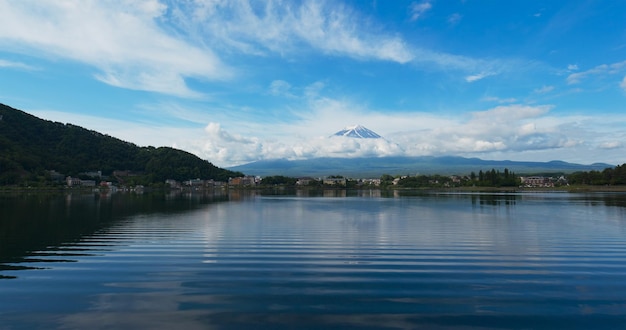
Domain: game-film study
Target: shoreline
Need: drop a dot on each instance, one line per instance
(570, 189)
(563, 189)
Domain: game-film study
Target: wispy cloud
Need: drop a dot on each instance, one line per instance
(504, 130)
(280, 88)
(598, 71)
(611, 145)
(544, 89)
(499, 100)
(256, 28)
(454, 19)
(623, 84)
(479, 76)
(128, 47)
(15, 65)
(417, 10)
(158, 46)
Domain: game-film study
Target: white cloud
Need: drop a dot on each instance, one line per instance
(446, 61)
(502, 114)
(499, 100)
(501, 130)
(314, 89)
(454, 19)
(544, 89)
(417, 10)
(280, 88)
(15, 65)
(258, 27)
(572, 67)
(610, 145)
(157, 46)
(336, 32)
(223, 147)
(128, 46)
(479, 76)
(623, 84)
(600, 70)
(504, 128)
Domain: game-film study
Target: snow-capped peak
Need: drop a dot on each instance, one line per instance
(358, 131)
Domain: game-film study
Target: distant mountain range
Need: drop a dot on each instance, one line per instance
(372, 167)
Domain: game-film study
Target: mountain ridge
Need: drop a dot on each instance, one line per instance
(365, 167)
(30, 148)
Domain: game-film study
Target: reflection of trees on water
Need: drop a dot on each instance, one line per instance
(598, 199)
(478, 198)
(327, 192)
(35, 227)
(614, 200)
(499, 199)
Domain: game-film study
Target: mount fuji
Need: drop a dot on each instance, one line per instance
(359, 132)
(374, 166)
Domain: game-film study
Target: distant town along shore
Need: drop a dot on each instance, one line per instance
(611, 179)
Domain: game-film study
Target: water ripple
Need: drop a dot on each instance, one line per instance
(348, 263)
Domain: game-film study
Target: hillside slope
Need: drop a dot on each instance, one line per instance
(30, 147)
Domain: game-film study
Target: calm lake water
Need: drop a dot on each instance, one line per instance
(331, 259)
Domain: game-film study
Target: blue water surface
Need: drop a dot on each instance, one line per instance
(367, 259)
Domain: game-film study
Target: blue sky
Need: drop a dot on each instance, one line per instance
(238, 81)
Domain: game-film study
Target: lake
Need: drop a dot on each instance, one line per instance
(309, 260)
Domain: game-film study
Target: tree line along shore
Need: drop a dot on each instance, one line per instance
(610, 179)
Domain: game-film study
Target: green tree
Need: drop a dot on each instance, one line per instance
(279, 180)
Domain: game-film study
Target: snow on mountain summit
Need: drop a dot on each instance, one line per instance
(358, 131)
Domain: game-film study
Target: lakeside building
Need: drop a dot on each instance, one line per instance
(245, 181)
(88, 183)
(370, 182)
(305, 181)
(335, 181)
(194, 183)
(72, 182)
(537, 182)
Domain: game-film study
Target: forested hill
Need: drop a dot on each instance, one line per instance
(30, 147)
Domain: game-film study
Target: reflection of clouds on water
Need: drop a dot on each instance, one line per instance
(138, 311)
(207, 319)
(359, 260)
(486, 226)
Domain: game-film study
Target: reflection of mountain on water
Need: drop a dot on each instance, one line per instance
(38, 228)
